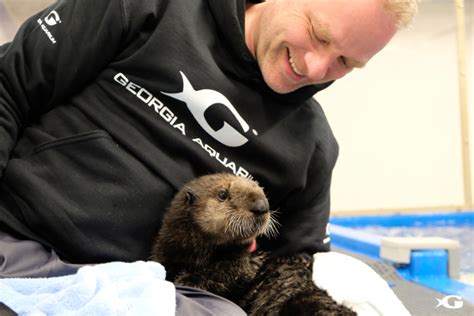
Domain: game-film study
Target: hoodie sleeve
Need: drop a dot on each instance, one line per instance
(304, 215)
(56, 53)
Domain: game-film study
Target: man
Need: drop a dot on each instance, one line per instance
(108, 107)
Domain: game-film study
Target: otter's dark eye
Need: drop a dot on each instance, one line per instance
(223, 195)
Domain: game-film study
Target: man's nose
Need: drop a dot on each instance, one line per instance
(317, 65)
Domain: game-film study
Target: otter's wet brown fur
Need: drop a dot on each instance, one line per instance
(204, 242)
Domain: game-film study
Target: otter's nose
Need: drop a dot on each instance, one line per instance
(259, 207)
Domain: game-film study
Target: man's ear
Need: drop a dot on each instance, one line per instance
(190, 198)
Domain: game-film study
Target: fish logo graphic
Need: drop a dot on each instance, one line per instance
(198, 101)
(458, 303)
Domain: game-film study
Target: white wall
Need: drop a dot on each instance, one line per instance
(398, 120)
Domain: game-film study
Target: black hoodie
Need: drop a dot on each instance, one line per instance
(108, 107)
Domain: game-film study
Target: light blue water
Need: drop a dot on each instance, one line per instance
(463, 234)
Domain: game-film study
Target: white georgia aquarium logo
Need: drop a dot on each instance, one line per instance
(201, 100)
(51, 19)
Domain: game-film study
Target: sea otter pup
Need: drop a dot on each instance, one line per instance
(205, 242)
(207, 232)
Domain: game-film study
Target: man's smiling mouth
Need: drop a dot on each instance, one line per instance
(293, 65)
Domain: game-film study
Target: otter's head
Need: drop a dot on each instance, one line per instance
(227, 209)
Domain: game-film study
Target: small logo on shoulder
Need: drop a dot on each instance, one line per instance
(52, 18)
(457, 303)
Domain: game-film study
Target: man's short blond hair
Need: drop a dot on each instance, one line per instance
(402, 11)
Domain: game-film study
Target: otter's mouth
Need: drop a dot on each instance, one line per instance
(247, 228)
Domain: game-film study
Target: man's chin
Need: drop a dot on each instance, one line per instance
(285, 87)
(282, 88)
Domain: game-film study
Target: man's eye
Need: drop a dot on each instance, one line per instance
(315, 37)
(223, 195)
(322, 41)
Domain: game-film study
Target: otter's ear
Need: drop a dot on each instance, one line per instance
(190, 198)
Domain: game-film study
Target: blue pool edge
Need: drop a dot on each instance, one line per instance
(428, 267)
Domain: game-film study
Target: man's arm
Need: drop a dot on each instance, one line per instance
(56, 53)
(305, 214)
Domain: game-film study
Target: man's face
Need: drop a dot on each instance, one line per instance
(303, 42)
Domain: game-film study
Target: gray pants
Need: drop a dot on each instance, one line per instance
(27, 258)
